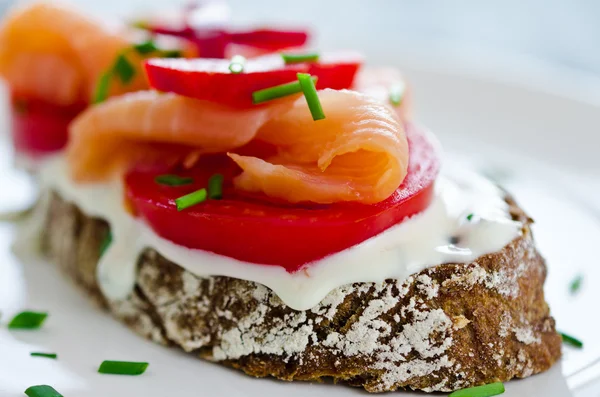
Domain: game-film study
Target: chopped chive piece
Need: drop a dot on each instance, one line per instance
(42, 391)
(145, 48)
(397, 92)
(45, 355)
(124, 69)
(312, 98)
(191, 199)
(576, 284)
(172, 53)
(275, 92)
(215, 187)
(237, 63)
(106, 243)
(572, 341)
(173, 180)
(470, 217)
(493, 389)
(122, 368)
(28, 320)
(101, 92)
(149, 47)
(299, 58)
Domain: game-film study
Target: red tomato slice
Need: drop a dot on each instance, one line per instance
(211, 79)
(258, 230)
(210, 43)
(214, 43)
(269, 39)
(38, 127)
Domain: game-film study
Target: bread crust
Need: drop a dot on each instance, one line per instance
(448, 327)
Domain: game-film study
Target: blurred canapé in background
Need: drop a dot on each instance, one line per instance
(545, 46)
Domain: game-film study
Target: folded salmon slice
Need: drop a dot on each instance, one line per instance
(359, 152)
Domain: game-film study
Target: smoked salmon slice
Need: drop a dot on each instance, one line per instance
(53, 53)
(358, 153)
(148, 126)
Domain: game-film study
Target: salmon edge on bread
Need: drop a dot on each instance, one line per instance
(445, 328)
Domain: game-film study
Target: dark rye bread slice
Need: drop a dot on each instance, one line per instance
(446, 328)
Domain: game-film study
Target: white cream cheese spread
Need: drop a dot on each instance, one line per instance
(467, 218)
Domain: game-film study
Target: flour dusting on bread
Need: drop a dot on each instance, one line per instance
(444, 328)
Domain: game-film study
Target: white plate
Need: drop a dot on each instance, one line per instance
(541, 141)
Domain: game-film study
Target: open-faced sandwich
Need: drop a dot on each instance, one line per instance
(284, 215)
